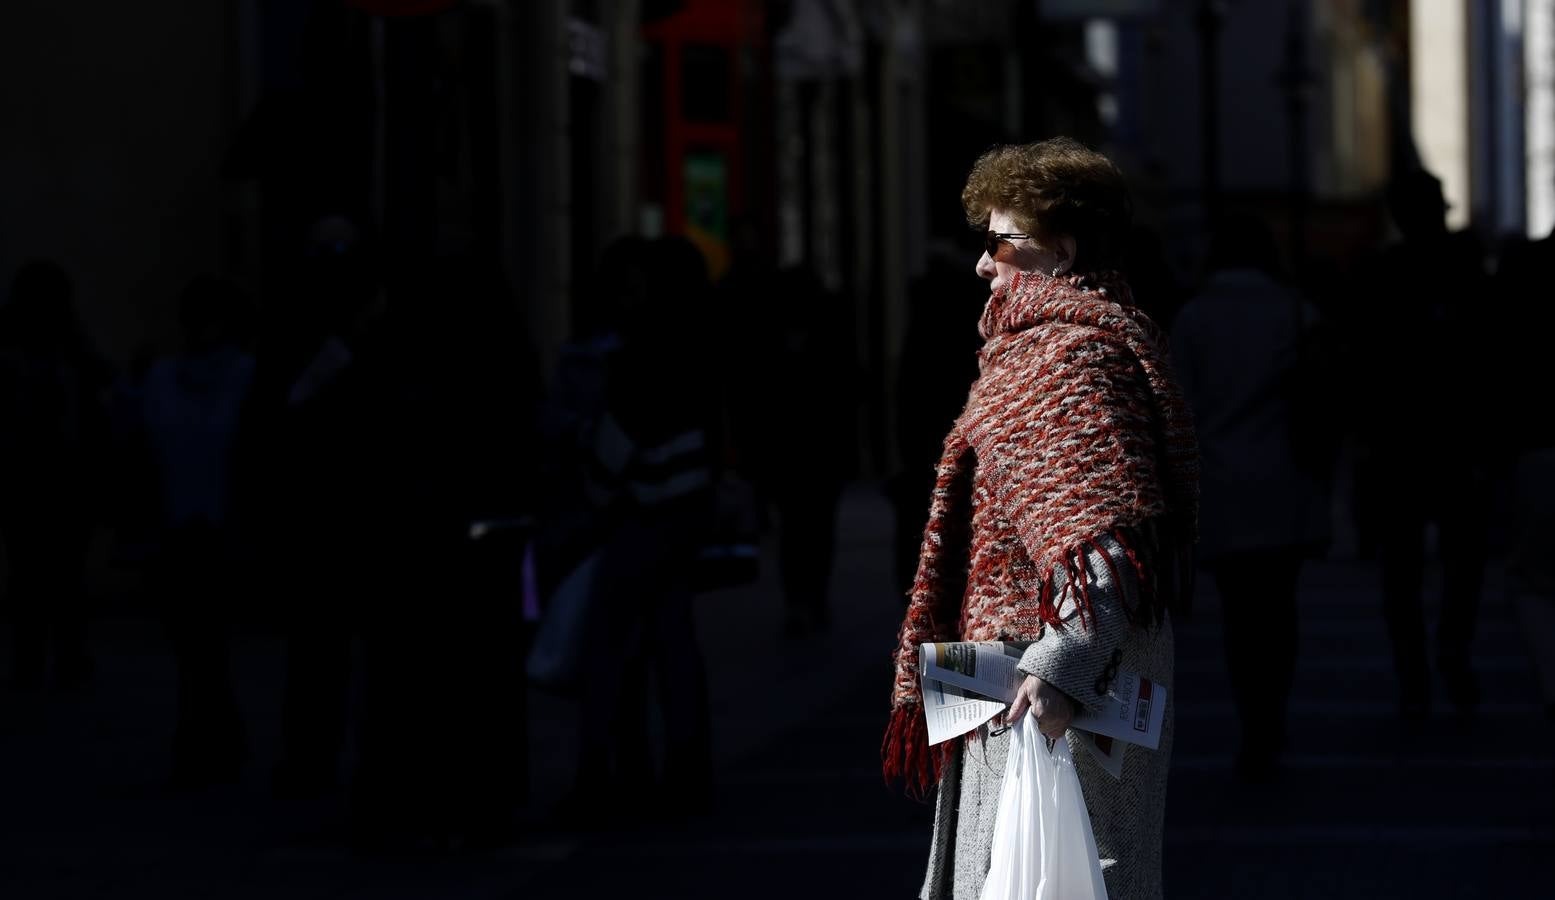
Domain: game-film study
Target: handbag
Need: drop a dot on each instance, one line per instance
(1043, 848)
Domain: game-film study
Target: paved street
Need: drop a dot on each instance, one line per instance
(1457, 809)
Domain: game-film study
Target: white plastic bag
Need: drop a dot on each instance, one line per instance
(1043, 848)
(557, 652)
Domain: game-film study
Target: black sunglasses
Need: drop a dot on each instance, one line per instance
(994, 242)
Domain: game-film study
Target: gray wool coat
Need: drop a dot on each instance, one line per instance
(1126, 813)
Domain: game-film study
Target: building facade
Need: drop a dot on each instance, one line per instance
(830, 134)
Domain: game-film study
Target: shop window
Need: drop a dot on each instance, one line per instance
(705, 77)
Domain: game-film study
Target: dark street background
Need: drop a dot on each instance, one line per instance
(480, 448)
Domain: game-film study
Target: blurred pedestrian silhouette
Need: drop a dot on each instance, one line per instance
(192, 401)
(574, 404)
(53, 437)
(806, 390)
(789, 378)
(745, 299)
(303, 467)
(643, 460)
(939, 363)
(1236, 347)
(451, 417)
(1430, 390)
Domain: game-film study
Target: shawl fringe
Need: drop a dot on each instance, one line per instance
(905, 754)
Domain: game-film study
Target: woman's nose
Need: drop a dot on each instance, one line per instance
(985, 267)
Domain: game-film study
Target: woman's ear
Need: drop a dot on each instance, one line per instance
(1063, 251)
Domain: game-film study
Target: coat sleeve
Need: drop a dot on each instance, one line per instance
(1075, 659)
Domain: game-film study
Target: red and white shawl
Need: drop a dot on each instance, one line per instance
(1076, 429)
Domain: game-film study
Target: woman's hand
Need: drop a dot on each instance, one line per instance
(1052, 707)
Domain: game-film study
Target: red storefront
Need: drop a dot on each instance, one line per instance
(706, 122)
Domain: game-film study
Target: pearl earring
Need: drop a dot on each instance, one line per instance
(1055, 271)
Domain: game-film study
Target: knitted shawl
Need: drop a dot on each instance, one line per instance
(1077, 429)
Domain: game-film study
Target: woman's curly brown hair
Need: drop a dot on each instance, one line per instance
(1053, 187)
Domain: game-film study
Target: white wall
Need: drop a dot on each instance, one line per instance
(1539, 109)
(1439, 99)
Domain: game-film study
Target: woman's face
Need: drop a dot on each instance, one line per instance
(1021, 254)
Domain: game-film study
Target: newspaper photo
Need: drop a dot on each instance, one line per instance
(966, 683)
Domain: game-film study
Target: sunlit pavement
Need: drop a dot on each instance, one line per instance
(1363, 809)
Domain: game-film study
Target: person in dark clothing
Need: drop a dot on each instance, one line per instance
(452, 412)
(647, 473)
(53, 433)
(1429, 349)
(807, 390)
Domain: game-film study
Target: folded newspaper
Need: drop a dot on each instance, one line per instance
(966, 683)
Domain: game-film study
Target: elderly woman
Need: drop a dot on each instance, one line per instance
(1062, 515)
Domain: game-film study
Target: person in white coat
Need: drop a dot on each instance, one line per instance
(192, 405)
